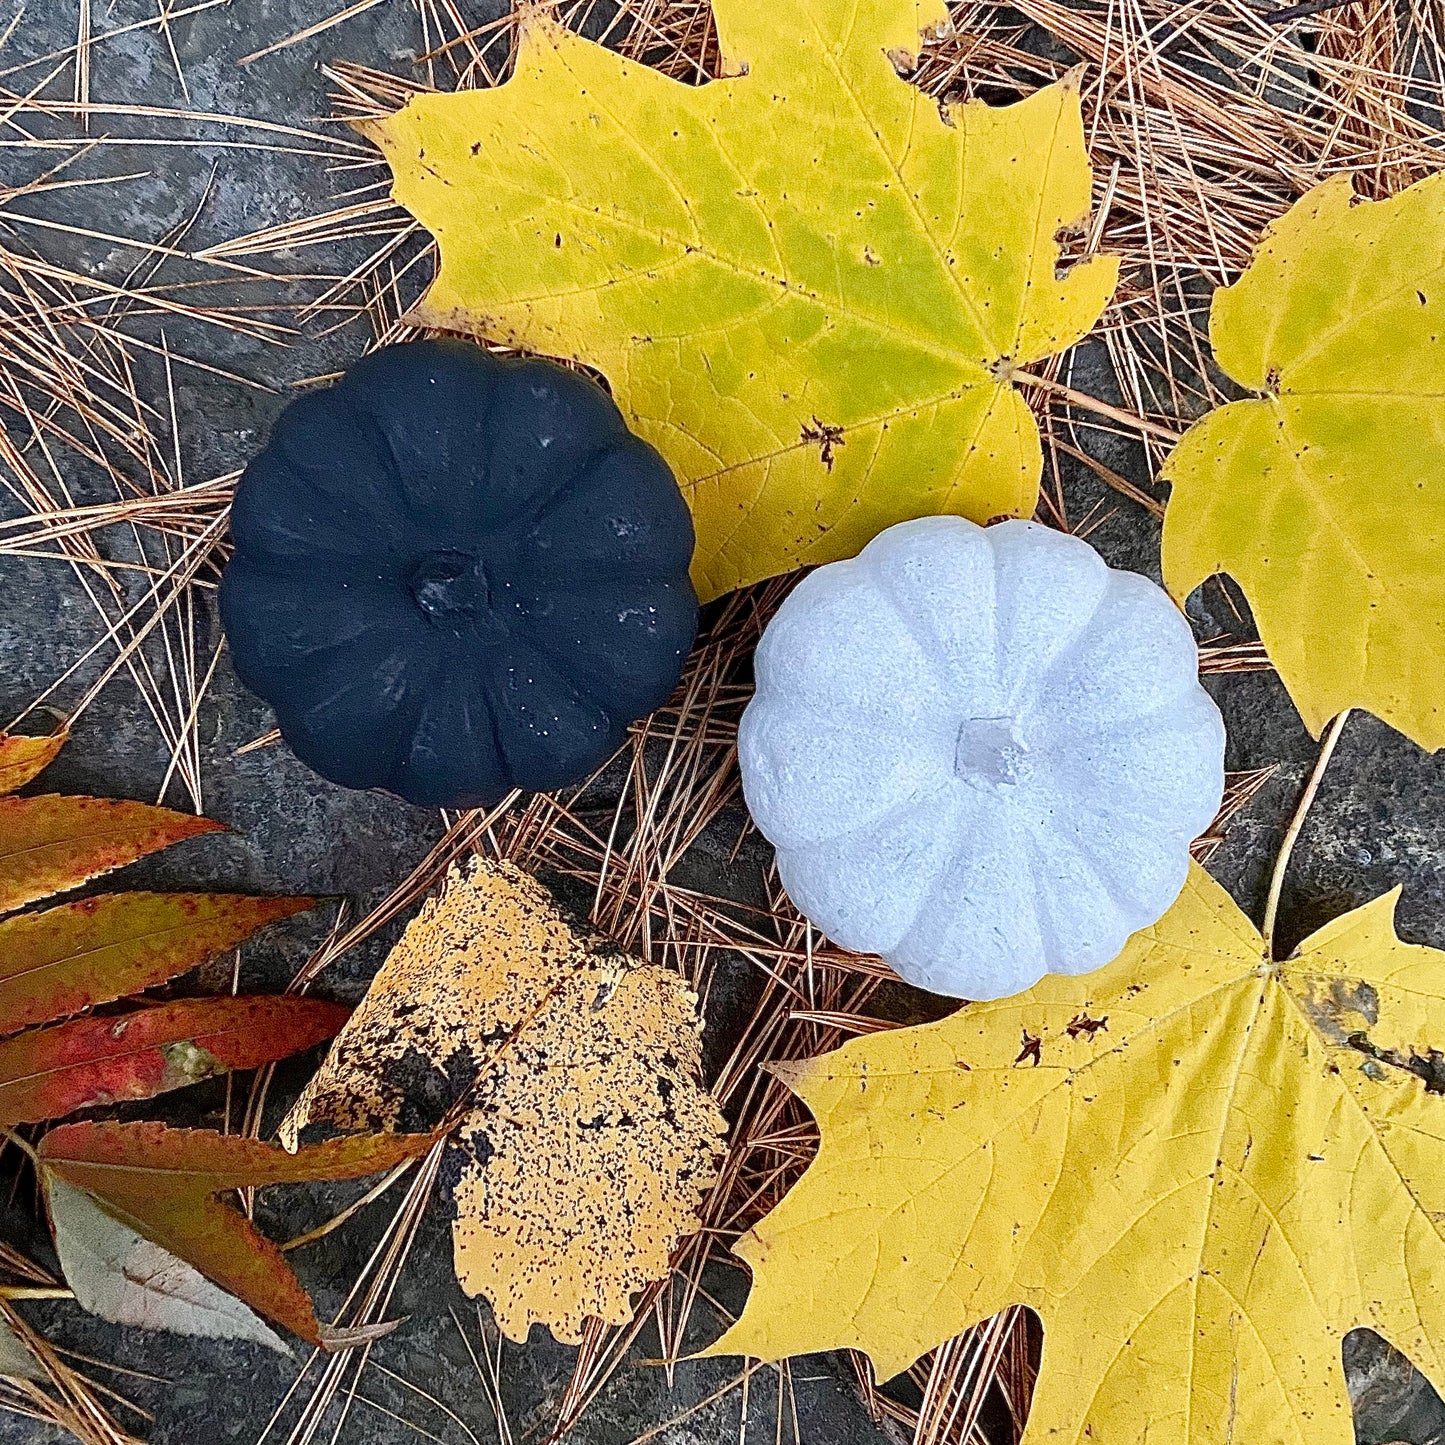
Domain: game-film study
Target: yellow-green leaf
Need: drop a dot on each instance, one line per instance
(23, 759)
(1324, 497)
(807, 284)
(1201, 1169)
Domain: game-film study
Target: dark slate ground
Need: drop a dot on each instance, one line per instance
(1377, 822)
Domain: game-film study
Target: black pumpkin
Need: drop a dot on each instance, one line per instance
(456, 574)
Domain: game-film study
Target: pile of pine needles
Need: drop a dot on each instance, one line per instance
(1205, 119)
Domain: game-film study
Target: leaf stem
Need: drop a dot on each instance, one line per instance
(1296, 825)
(1086, 402)
(22, 1144)
(336, 1221)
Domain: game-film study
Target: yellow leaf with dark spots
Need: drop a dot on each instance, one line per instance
(807, 284)
(583, 1140)
(1202, 1169)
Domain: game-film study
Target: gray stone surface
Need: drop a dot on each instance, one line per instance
(1377, 823)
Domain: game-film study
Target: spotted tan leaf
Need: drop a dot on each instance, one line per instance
(583, 1140)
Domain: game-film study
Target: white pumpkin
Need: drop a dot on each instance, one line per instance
(980, 753)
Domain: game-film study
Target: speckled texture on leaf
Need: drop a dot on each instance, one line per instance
(806, 284)
(1200, 1169)
(1324, 496)
(588, 1141)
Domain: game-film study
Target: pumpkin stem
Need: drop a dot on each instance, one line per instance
(989, 753)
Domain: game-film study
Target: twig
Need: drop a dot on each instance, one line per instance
(1296, 824)
(1086, 402)
(1303, 11)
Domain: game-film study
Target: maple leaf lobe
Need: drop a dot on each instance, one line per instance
(1322, 496)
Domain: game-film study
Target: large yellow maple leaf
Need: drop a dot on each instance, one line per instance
(807, 285)
(1200, 1167)
(1324, 496)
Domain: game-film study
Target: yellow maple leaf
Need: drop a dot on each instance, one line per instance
(1325, 497)
(1201, 1169)
(584, 1142)
(807, 285)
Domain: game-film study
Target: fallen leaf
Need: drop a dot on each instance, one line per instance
(48, 1073)
(52, 843)
(1323, 496)
(586, 1141)
(1199, 1199)
(16, 1362)
(100, 949)
(807, 285)
(23, 759)
(123, 1278)
(162, 1184)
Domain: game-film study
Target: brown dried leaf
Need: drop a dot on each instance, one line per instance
(16, 1361)
(585, 1142)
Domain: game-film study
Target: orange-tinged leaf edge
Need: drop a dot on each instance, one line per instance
(163, 1184)
(119, 944)
(23, 759)
(49, 1073)
(52, 843)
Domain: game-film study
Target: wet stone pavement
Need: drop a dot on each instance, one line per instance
(1377, 823)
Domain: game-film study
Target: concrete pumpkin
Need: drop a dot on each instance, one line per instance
(456, 574)
(981, 753)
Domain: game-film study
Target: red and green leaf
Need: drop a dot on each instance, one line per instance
(163, 1184)
(49, 1073)
(51, 843)
(22, 760)
(69, 958)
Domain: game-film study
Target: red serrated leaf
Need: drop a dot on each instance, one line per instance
(52, 1072)
(51, 843)
(100, 949)
(24, 759)
(163, 1184)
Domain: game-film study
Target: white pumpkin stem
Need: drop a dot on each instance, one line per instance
(1296, 825)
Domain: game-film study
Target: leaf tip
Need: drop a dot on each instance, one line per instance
(22, 759)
